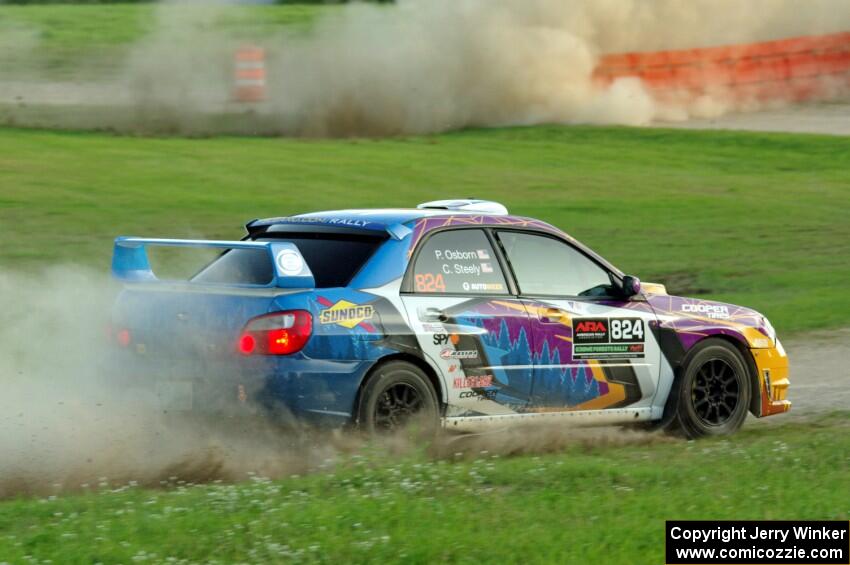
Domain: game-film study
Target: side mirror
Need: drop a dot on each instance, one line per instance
(631, 285)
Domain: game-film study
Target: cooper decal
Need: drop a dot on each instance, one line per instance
(714, 311)
(479, 394)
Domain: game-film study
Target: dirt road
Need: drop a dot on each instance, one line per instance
(830, 118)
(820, 373)
(104, 106)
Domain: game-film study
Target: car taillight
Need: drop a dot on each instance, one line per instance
(280, 333)
(123, 337)
(119, 335)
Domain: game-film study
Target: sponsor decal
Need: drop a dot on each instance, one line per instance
(479, 394)
(487, 287)
(444, 339)
(608, 338)
(449, 353)
(590, 330)
(346, 314)
(715, 311)
(452, 368)
(300, 220)
(348, 222)
(433, 328)
(289, 262)
(604, 350)
(473, 382)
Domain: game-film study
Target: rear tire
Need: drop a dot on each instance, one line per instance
(713, 395)
(398, 396)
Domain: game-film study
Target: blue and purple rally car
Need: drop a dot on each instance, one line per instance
(456, 312)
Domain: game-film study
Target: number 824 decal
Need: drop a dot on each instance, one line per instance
(608, 338)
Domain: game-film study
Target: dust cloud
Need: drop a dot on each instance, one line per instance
(435, 65)
(416, 66)
(70, 420)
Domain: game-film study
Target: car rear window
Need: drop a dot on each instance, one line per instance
(238, 266)
(334, 259)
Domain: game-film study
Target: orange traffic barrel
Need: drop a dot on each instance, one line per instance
(250, 74)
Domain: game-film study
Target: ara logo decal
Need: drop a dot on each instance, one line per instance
(590, 330)
(595, 326)
(347, 314)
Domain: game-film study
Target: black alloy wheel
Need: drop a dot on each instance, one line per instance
(712, 393)
(716, 392)
(396, 396)
(396, 405)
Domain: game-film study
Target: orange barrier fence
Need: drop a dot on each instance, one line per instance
(799, 68)
(250, 74)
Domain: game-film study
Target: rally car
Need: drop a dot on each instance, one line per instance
(455, 312)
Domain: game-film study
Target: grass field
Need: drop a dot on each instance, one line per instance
(74, 41)
(604, 504)
(755, 219)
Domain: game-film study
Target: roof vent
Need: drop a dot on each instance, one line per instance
(466, 205)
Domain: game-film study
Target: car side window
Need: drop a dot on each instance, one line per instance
(458, 262)
(548, 266)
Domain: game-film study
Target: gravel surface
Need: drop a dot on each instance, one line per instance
(820, 373)
(830, 118)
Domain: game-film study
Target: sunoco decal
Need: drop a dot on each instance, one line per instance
(608, 338)
(346, 314)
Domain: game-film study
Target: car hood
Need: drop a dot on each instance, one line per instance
(694, 319)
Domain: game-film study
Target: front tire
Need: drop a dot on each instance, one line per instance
(714, 392)
(398, 396)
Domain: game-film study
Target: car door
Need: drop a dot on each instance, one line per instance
(468, 323)
(593, 348)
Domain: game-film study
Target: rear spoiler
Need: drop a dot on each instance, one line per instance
(130, 259)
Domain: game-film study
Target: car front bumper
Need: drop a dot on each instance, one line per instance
(772, 369)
